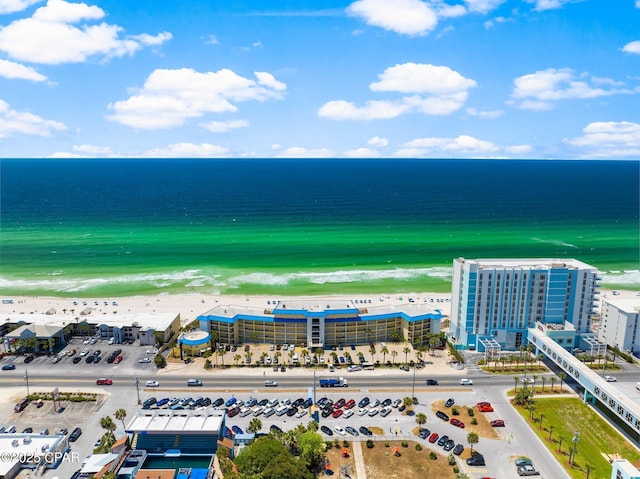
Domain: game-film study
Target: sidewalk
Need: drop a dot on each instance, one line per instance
(358, 459)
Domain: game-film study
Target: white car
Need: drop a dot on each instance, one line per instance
(362, 411)
(144, 360)
(348, 413)
(528, 380)
(397, 403)
(466, 382)
(340, 430)
(610, 379)
(271, 384)
(84, 352)
(152, 384)
(302, 413)
(373, 411)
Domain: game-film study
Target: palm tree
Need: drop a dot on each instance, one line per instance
(372, 351)
(543, 379)
(290, 440)
(421, 418)
(551, 428)
(248, 355)
(406, 352)
(222, 353)
(237, 358)
(394, 353)
(418, 352)
(318, 352)
(533, 386)
(312, 426)
(515, 379)
(347, 355)
(291, 354)
(254, 425)
(472, 438)
(553, 382)
(408, 403)
(384, 350)
(108, 424)
(120, 414)
(305, 353)
(562, 376)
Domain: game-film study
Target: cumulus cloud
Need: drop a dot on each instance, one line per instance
(542, 5)
(632, 47)
(14, 70)
(187, 150)
(14, 122)
(462, 144)
(51, 36)
(170, 98)
(485, 114)
(406, 17)
(378, 142)
(361, 153)
(483, 6)
(11, 6)
(539, 90)
(300, 152)
(519, 149)
(608, 139)
(224, 126)
(437, 90)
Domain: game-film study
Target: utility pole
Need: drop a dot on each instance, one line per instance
(26, 378)
(413, 384)
(138, 389)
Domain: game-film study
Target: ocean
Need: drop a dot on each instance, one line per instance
(109, 227)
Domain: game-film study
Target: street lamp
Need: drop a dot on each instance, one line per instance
(574, 449)
(413, 384)
(138, 389)
(314, 386)
(26, 378)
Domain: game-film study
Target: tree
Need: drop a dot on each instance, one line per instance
(543, 379)
(551, 428)
(394, 353)
(406, 352)
(120, 414)
(160, 361)
(372, 351)
(285, 466)
(408, 403)
(108, 424)
(237, 358)
(472, 438)
(254, 425)
(310, 448)
(421, 418)
(253, 460)
(109, 475)
(312, 426)
(515, 380)
(384, 350)
(553, 382)
(562, 376)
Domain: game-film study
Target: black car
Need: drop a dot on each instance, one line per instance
(424, 433)
(27, 430)
(298, 402)
(97, 352)
(77, 359)
(292, 411)
(449, 445)
(307, 404)
(89, 359)
(326, 412)
(110, 359)
(218, 402)
(477, 460)
(443, 440)
(75, 434)
(442, 416)
(386, 402)
(206, 402)
(458, 449)
(364, 402)
(326, 430)
(352, 431)
(275, 429)
(246, 348)
(450, 402)
(365, 431)
(116, 352)
(322, 401)
(148, 403)
(432, 382)
(263, 402)
(97, 359)
(28, 359)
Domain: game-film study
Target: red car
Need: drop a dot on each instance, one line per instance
(350, 404)
(497, 423)
(337, 413)
(488, 408)
(457, 422)
(104, 382)
(117, 359)
(483, 403)
(433, 438)
(339, 403)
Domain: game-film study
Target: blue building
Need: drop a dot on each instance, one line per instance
(495, 301)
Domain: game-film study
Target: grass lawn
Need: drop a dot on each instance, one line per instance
(564, 416)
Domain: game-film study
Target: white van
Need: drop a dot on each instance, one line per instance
(269, 412)
(282, 410)
(295, 358)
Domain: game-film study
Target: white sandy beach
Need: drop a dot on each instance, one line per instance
(191, 306)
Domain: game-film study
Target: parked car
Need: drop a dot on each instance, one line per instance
(477, 460)
(457, 422)
(449, 445)
(326, 430)
(340, 430)
(527, 470)
(433, 438)
(442, 441)
(523, 460)
(8, 367)
(352, 431)
(424, 433)
(449, 402)
(75, 434)
(364, 402)
(365, 431)
(458, 449)
(442, 415)
(497, 423)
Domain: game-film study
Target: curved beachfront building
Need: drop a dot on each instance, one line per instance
(318, 323)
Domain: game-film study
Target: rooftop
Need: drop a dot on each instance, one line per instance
(533, 263)
(178, 421)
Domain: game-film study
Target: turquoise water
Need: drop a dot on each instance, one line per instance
(121, 227)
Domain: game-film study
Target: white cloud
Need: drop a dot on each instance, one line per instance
(494, 21)
(483, 6)
(11, 6)
(463, 144)
(210, 40)
(637, 3)
(373, 110)
(14, 122)
(13, 70)
(169, 98)
(485, 114)
(361, 153)
(224, 126)
(542, 5)
(449, 11)
(538, 91)
(609, 139)
(378, 142)
(439, 91)
(300, 152)
(186, 150)
(50, 36)
(632, 47)
(519, 149)
(93, 150)
(407, 17)
(421, 78)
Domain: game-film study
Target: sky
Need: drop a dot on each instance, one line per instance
(320, 78)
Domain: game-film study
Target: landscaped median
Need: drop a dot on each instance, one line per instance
(577, 436)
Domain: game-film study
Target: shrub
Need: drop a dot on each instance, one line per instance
(456, 469)
(455, 411)
(336, 443)
(328, 445)
(369, 444)
(433, 456)
(474, 421)
(452, 460)
(404, 444)
(470, 412)
(418, 447)
(386, 444)
(345, 443)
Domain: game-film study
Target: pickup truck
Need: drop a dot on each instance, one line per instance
(333, 383)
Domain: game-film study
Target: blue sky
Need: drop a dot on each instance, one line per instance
(364, 78)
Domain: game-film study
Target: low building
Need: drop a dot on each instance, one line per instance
(318, 323)
(623, 469)
(38, 451)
